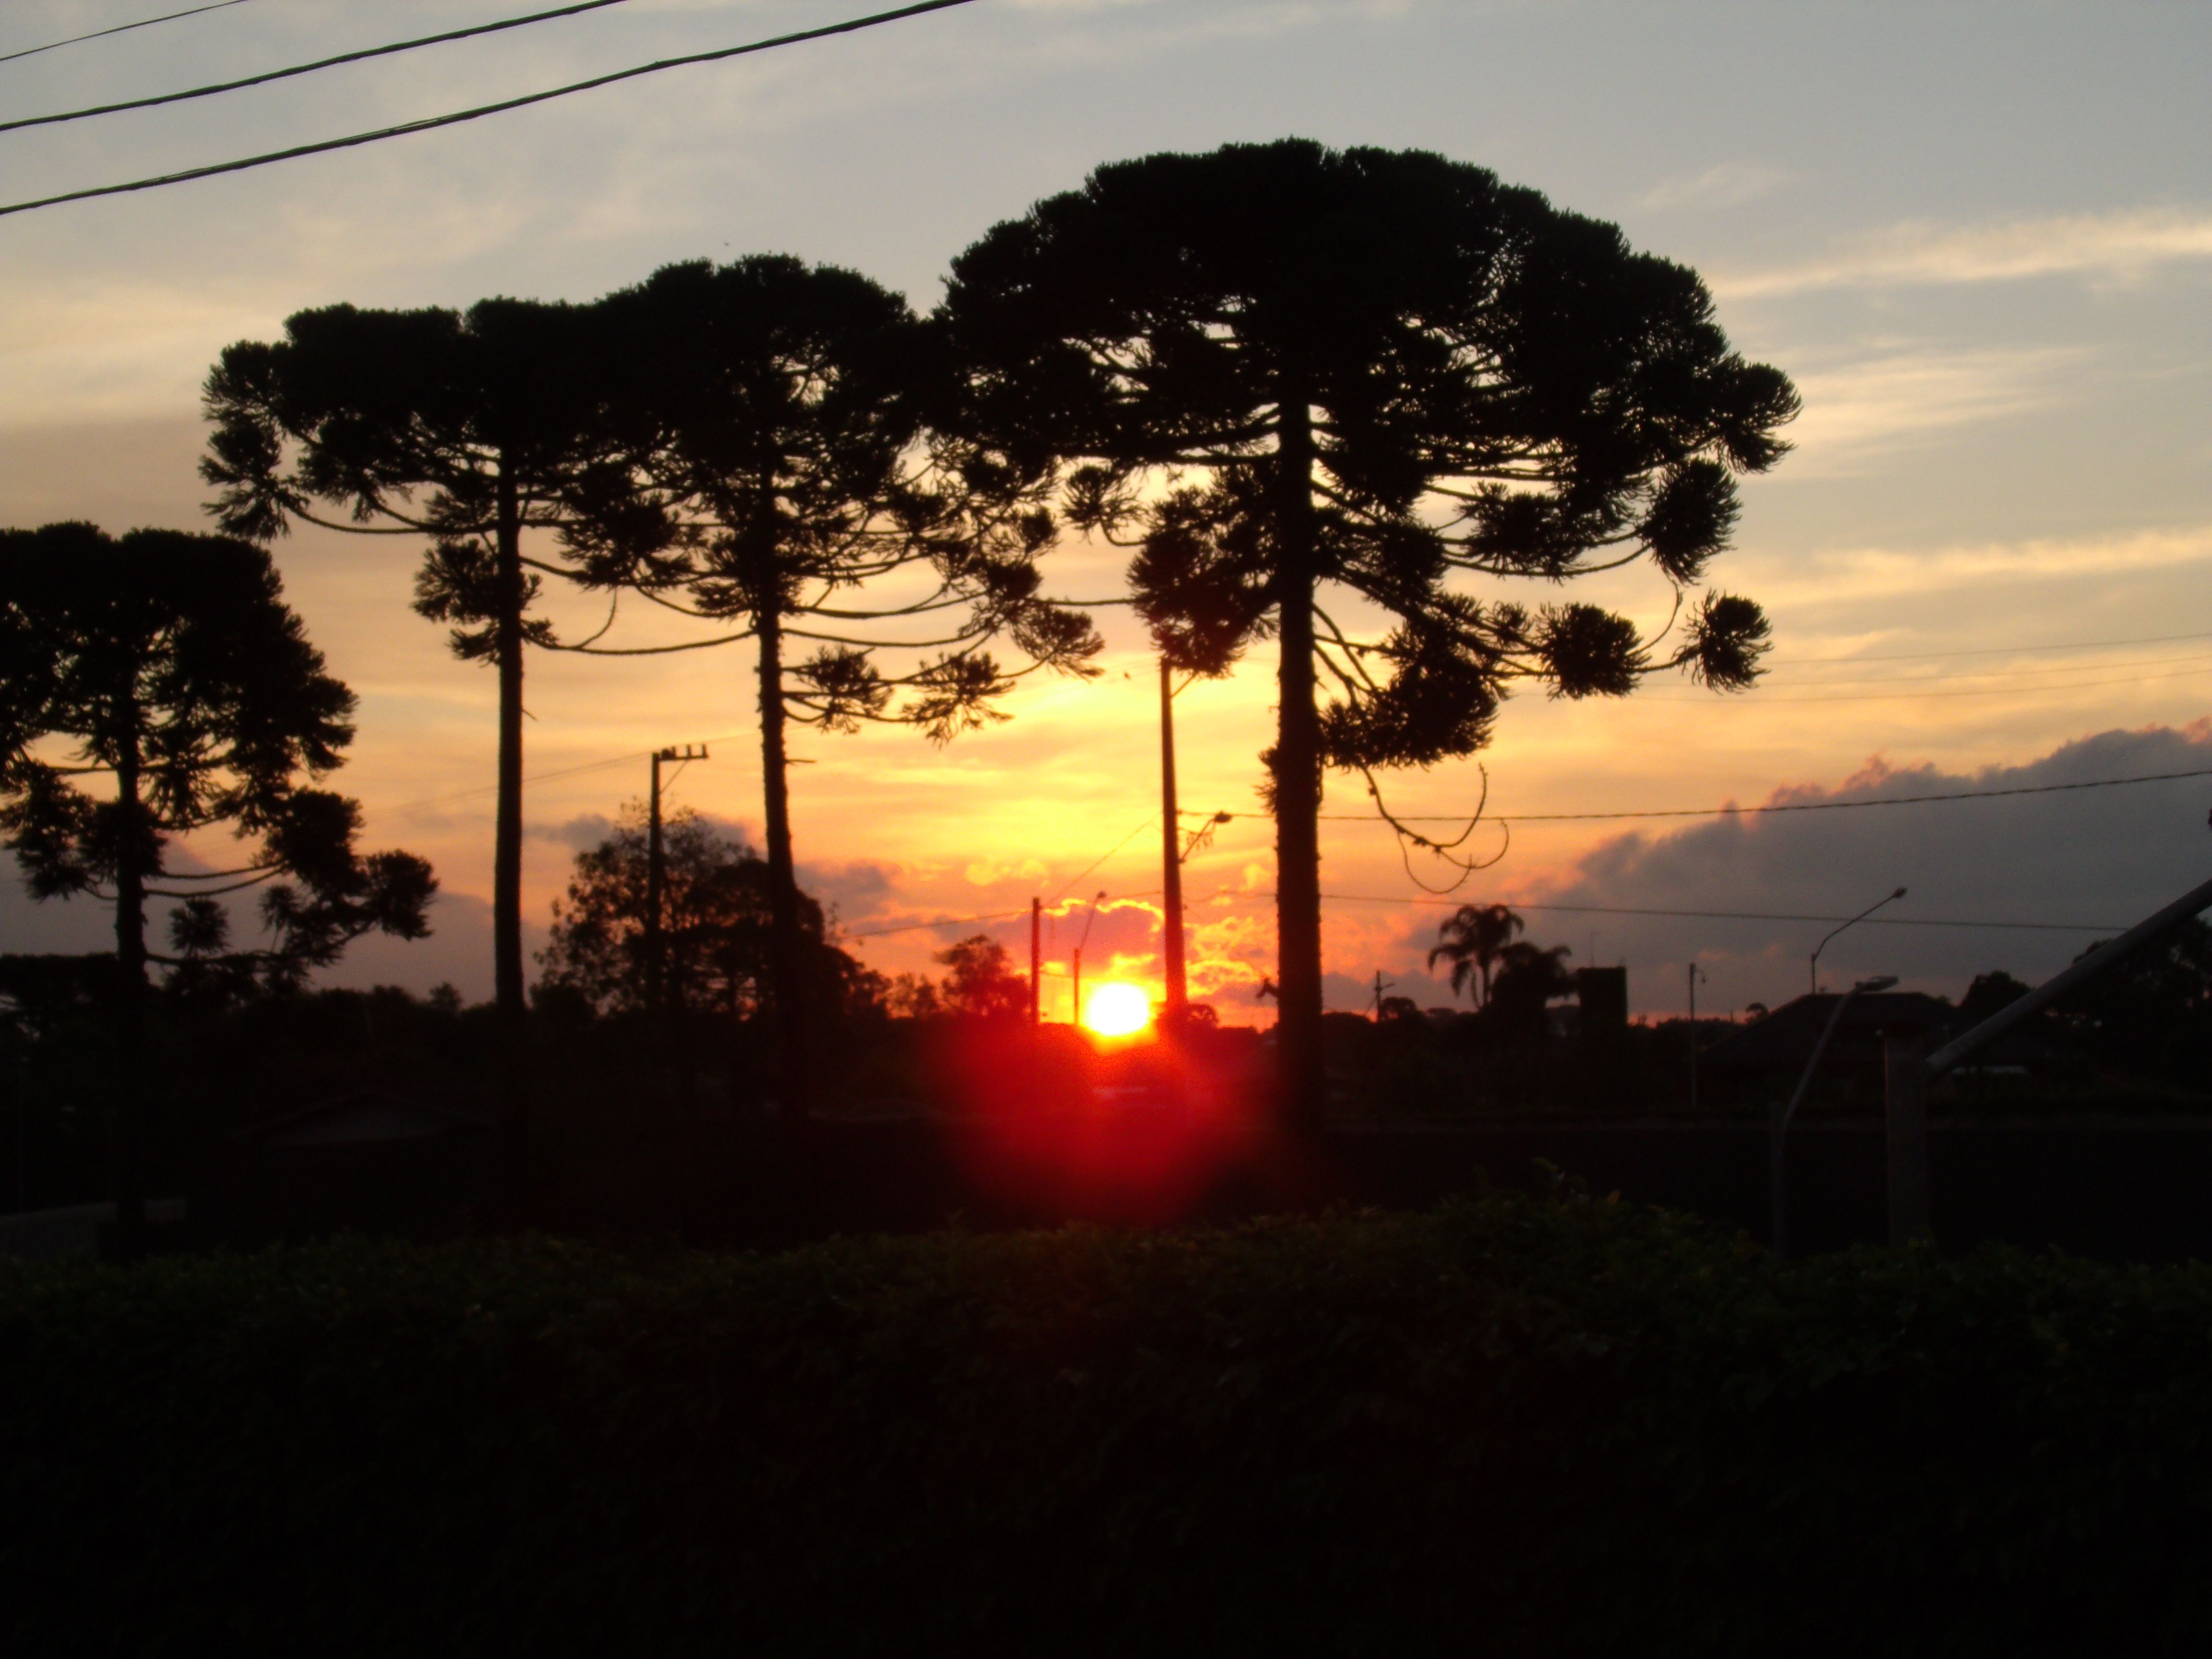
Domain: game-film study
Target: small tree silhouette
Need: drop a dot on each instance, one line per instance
(1290, 370)
(1472, 938)
(172, 665)
(715, 906)
(983, 982)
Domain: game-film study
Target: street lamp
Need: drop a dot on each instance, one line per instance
(1815, 975)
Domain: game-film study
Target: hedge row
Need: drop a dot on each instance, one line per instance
(1520, 1426)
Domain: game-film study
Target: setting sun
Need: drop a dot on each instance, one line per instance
(1117, 1010)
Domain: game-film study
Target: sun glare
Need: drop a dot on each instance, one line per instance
(1117, 1010)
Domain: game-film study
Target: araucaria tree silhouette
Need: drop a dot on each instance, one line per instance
(469, 427)
(780, 460)
(1472, 939)
(168, 665)
(1309, 380)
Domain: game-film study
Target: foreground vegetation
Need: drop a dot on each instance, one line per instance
(1514, 1424)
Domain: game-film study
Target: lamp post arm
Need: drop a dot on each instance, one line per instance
(1813, 986)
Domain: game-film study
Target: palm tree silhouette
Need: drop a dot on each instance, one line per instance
(1472, 939)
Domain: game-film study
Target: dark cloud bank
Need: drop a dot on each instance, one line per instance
(2103, 857)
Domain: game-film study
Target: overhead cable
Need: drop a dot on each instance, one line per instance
(430, 123)
(267, 76)
(1735, 915)
(120, 28)
(1732, 811)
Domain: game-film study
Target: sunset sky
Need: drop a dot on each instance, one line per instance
(1979, 236)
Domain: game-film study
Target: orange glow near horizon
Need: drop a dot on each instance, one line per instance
(1117, 1009)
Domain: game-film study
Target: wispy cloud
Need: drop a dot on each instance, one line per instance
(2113, 246)
(1856, 576)
(1856, 411)
(1731, 184)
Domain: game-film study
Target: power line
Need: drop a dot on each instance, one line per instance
(120, 28)
(995, 915)
(1734, 915)
(430, 123)
(1750, 811)
(546, 777)
(268, 76)
(942, 921)
(1572, 909)
(1104, 856)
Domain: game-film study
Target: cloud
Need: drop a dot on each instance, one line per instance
(859, 892)
(1731, 184)
(1857, 577)
(580, 834)
(2122, 247)
(1857, 412)
(2103, 858)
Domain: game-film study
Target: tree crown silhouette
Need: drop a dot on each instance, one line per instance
(1325, 394)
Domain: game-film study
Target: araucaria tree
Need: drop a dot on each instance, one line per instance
(165, 670)
(781, 458)
(471, 428)
(1333, 394)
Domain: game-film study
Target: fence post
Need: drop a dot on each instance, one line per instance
(1905, 1081)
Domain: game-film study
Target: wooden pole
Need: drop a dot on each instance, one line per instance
(654, 878)
(1178, 985)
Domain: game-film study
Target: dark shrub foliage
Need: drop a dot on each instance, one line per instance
(1514, 1426)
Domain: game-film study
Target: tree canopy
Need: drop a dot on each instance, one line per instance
(469, 427)
(715, 909)
(1473, 939)
(168, 665)
(779, 465)
(1326, 396)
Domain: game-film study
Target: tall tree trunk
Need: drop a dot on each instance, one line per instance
(506, 840)
(1298, 1040)
(787, 973)
(1177, 997)
(129, 1129)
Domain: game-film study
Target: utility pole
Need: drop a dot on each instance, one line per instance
(1380, 988)
(656, 871)
(1036, 930)
(1178, 985)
